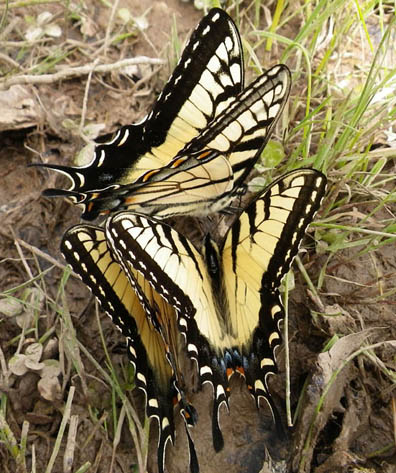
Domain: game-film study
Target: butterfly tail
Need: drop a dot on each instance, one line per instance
(164, 437)
(70, 172)
(218, 440)
(190, 417)
(210, 371)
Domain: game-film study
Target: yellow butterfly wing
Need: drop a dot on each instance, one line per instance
(144, 318)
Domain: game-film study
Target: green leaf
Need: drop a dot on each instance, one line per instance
(272, 154)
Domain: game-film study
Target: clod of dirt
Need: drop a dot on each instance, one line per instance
(18, 108)
(323, 398)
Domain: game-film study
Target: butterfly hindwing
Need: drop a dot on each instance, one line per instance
(144, 318)
(208, 76)
(227, 299)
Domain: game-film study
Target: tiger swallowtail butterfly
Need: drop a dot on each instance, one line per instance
(224, 300)
(192, 152)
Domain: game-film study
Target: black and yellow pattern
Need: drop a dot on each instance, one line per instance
(192, 152)
(146, 320)
(209, 75)
(227, 298)
(212, 167)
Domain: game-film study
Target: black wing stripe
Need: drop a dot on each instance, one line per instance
(215, 36)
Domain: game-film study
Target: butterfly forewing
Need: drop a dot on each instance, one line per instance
(244, 130)
(206, 79)
(295, 199)
(167, 259)
(209, 74)
(146, 320)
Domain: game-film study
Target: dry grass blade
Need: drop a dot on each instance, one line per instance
(78, 71)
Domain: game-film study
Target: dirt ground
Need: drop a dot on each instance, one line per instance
(353, 430)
